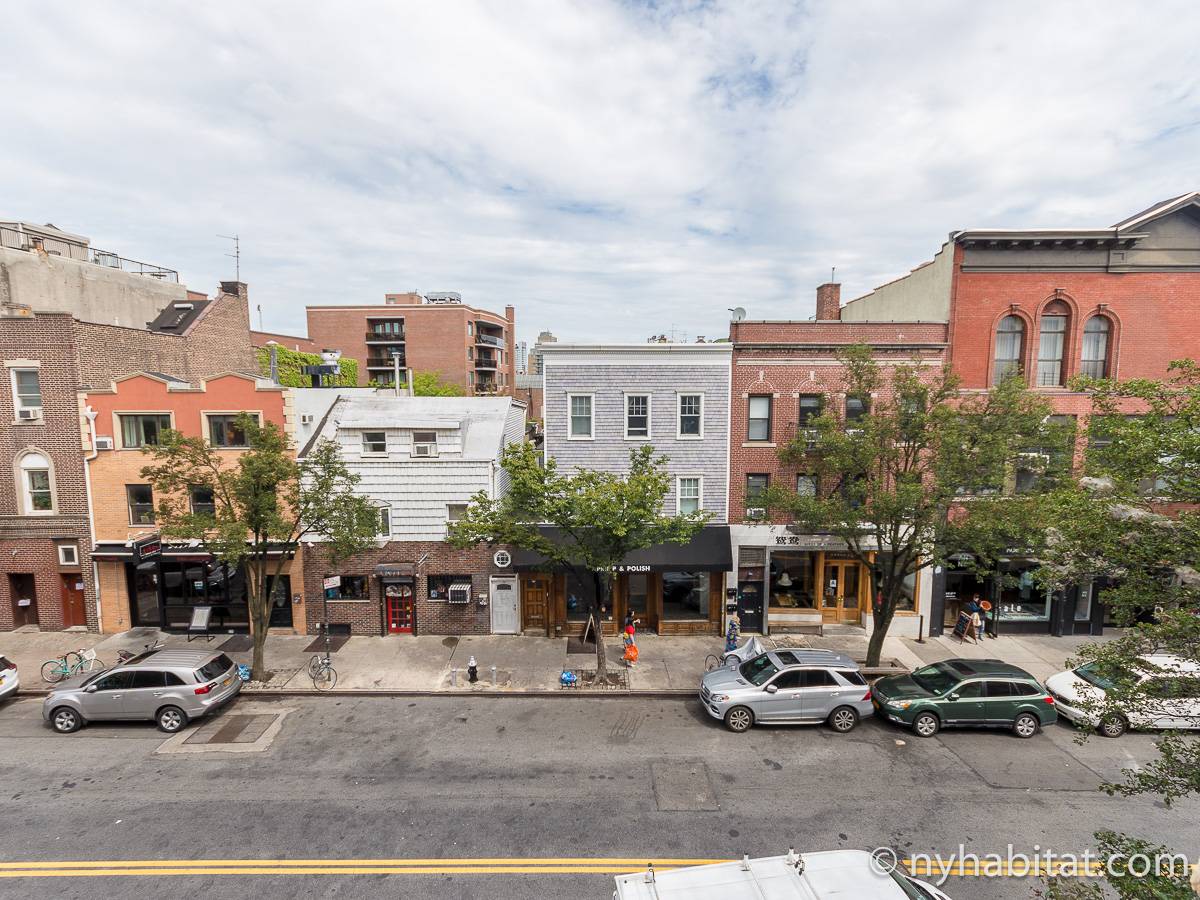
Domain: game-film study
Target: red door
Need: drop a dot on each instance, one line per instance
(73, 610)
(399, 608)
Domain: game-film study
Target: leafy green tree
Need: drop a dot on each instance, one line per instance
(290, 366)
(265, 502)
(600, 517)
(430, 384)
(890, 482)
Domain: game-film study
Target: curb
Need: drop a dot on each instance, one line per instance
(564, 694)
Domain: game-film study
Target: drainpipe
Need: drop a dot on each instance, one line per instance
(90, 414)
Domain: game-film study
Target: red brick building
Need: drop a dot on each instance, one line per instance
(1054, 303)
(785, 373)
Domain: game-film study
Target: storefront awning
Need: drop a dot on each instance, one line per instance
(708, 551)
(396, 571)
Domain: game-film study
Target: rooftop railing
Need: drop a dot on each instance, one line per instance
(17, 239)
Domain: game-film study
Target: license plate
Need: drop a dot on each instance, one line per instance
(228, 681)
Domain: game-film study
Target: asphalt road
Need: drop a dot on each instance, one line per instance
(482, 778)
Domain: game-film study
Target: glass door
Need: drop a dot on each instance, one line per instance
(839, 591)
(399, 608)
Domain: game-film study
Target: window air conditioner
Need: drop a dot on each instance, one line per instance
(425, 450)
(306, 419)
(103, 443)
(460, 592)
(756, 512)
(29, 413)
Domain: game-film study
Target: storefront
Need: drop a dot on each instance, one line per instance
(671, 588)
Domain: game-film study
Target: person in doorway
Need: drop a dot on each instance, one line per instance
(631, 649)
(974, 609)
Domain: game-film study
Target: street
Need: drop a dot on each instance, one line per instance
(378, 778)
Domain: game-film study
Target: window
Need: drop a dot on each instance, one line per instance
(791, 583)
(141, 504)
(385, 521)
(35, 483)
(685, 595)
(810, 408)
(424, 443)
(203, 502)
(226, 431)
(758, 426)
(856, 408)
(117, 681)
(146, 678)
(637, 415)
(27, 393)
(143, 430)
(817, 678)
(451, 588)
(1010, 343)
(455, 511)
(806, 485)
(1095, 347)
(688, 495)
(756, 485)
(580, 406)
(68, 555)
(374, 442)
(691, 415)
(353, 587)
(1050, 348)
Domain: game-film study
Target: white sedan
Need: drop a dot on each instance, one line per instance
(1169, 687)
(9, 682)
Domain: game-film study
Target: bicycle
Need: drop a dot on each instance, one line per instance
(70, 663)
(322, 672)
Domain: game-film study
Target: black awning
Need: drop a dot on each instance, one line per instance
(708, 551)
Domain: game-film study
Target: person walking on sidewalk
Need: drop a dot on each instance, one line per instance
(631, 649)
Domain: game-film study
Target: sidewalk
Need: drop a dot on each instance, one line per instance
(434, 663)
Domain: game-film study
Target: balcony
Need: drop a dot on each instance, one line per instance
(485, 364)
(489, 340)
(384, 337)
(383, 362)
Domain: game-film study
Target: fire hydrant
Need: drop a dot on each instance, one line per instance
(472, 670)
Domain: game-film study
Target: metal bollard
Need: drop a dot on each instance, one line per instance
(921, 630)
(454, 677)
(493, 676)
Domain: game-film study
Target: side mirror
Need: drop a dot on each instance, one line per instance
(90, 689)
(772, 689)
(952, 697)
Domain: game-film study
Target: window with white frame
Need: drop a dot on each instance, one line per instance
(27, 393)
(758, 423)
(688, 494)
(226, 429)
(143, 430)
(637, 415)
(141, 504)
(374, 442)
(580, 409)
(68, 555)
(424, 443)
(36, 490)
(455, 511)
(385, 521)
(691, 415)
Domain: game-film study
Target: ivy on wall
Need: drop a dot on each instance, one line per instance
(291, 363)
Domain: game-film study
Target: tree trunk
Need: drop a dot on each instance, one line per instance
(601, 583)
(260, 608)
(881, 617)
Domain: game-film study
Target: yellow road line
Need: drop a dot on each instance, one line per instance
(436, 861)
(345, 870)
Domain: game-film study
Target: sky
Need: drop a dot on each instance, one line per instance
(614, 170)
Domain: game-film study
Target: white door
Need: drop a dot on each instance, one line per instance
(506, 617)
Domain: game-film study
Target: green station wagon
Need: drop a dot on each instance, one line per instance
(979, 692)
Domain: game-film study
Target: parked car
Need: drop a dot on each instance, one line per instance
(170, 687)
(9, 682)
(797, 876)
(978, 692)
(788, 687)
(1172, 695)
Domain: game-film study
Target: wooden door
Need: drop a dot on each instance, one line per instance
(840, 590)
(535, 597)
(399, 598)
(24, 600)
(74, 611)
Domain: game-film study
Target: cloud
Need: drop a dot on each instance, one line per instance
(613, 170)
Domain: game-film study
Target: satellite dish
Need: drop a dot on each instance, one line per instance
(737, 314)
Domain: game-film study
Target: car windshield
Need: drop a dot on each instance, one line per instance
(911, 888)
(936, 679)
(759, 669)
(1105, 677)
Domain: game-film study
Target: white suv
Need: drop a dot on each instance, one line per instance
(1170, 686)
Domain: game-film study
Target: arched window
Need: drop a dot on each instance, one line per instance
(1052, 344)
(37, 494)
(1095, 347)
(1010, 342)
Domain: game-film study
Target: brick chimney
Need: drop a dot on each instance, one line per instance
(237, 288)
(829, 302)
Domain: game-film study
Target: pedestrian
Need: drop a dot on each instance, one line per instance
(631, 649)
(630, 621)
(974, 609)
(731, 636)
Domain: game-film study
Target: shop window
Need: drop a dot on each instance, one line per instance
(580, 406)
(1010, 344)
(27, 393)
(791, 584)
(688, 494)
(1051, 344)
(227, 431)
(374, 442)
(36, 486)
(758, 425)
(691, 416)
(143, 430)
(581, 598)
(203, 501)
(449, 588)
(353, 587)
(1024, 601)
(140, 498)
(685, 595)
(1095, 347)
(637, 415)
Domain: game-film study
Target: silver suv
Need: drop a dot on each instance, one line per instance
(167, 686)
(788, 687)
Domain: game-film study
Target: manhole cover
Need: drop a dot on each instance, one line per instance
(683, 786)
(235, 729)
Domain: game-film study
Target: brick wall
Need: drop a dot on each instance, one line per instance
(432, 617)
(288, 341)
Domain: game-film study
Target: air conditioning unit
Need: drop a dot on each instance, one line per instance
(460, 592)
(756, 512)
(306, 419)
(424, 450)
(1033, 462)
(809, 436)
(854, 432)
(29, 413)
(103, 443)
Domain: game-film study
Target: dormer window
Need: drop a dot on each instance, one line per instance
(425, 444)
(374, 442)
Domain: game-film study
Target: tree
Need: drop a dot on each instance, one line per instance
(599, 517)
(265, 502)
(289, 366)
(890, 481)
(430, 384)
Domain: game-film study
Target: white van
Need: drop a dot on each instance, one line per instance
(830, 874)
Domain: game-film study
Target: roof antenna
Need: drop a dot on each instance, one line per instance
(237, 258)
(833, 274)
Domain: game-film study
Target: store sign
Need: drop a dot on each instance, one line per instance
(629, 569)
(332, 583)
(147, 548)
(502, 559)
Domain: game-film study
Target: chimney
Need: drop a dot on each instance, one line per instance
(829, 302)
(237, 288)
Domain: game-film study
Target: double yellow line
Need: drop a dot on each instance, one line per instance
(484, 866)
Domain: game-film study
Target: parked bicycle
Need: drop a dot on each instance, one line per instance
(73, 662)
(124, 656)
(324, 675)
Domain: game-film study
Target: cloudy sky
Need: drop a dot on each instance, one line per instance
(614, 170)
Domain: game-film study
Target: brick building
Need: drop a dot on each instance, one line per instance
(161, 589)
(1054, 303)
(467, 346)
(421, 460)
(72, 318)
(784, 374)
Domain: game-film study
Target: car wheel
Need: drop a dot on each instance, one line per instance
(843, 719)
(926, 724)
(170, 719)
(1026, 725)
(65, 720)
(1114, 726)
(739, 719)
